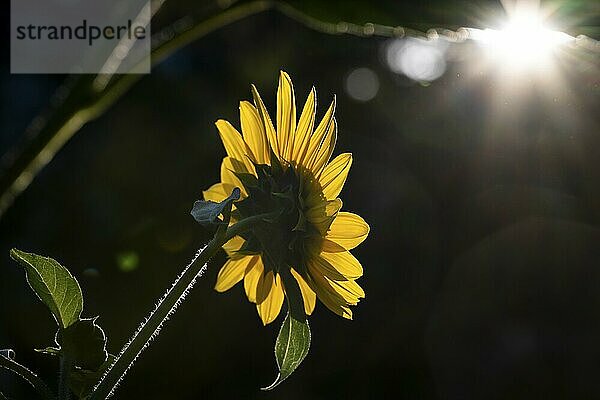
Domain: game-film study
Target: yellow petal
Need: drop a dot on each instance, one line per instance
(229, 167)
(232, 246)
(318, 136)
(270, 307)
(334, 175)
(326, 149)
(253, 275)
(328, 296)
(266, 121)
(325, 268)
(309, 296)
(345, 263)
(332, 247)
(348, 230)
(286, 115)
(232, 272)
(253, 132)
(218, 192)
(263, 286)
(305, 127)
(232, 140)
(350, 291)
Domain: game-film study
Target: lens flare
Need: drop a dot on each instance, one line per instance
(418, 59)
(524, 42)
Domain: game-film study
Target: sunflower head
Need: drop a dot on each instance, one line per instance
(285, 173)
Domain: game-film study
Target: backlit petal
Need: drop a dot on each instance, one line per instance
(309, 296)
(232, 140)
(263, 286)
(306, 124)
(266, 120)
(350, 291)
(334, 175)
(325, 268)
(326, 149)
(348, 230)
(253, 275)
(229, 167)
(253, 132)
(328, 296)
(332, 247)
(316, 140)
(217, 192)
(270, 307)
(345, 263)
(232, 272)
(232, 246)
(286, 115)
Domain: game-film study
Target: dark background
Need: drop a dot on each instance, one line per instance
(481, 270)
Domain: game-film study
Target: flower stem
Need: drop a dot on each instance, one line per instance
(167, 306)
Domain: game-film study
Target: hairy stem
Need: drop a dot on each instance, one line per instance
(166, 307)
(38, 384)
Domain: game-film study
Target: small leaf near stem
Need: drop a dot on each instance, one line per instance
(293, 341)
(54, 285)
(7, 362)
(208, 212)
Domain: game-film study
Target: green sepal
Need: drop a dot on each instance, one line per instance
(293, 340)
(276, 216)
(84, 343)
(276, 166)
(54, 285)
(209, 212)
(248, 180)
(250, 247)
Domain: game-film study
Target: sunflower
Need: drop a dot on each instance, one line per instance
(287, 172)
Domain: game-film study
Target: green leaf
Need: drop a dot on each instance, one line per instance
(82, 381)
(84, 343)
(54, 285)
(291, 347)
(293, 341)
(208, 212)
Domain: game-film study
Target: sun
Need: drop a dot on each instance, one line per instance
(524, 41)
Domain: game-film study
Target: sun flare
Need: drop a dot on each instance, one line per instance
(524, 41)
